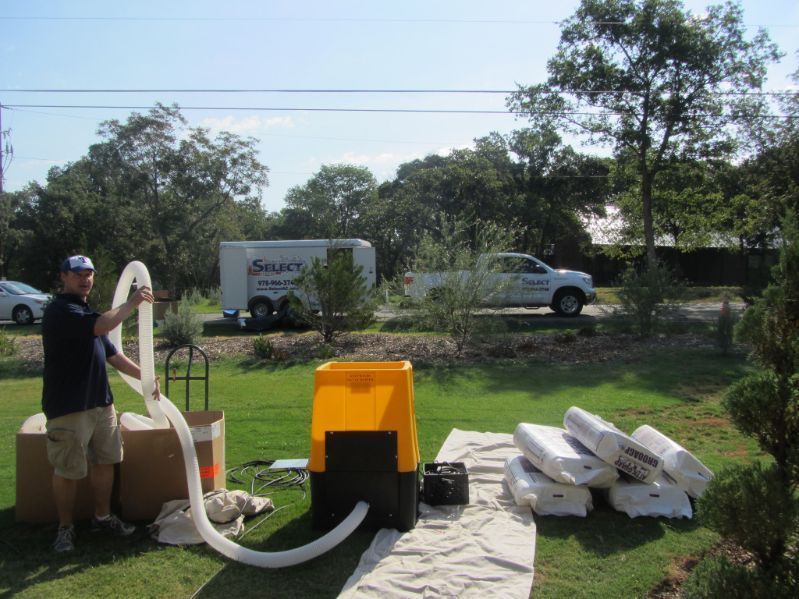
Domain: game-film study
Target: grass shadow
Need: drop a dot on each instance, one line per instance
(26, 550)
(606, 532)
(330, 571)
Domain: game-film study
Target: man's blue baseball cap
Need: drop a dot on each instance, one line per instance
(77, 264)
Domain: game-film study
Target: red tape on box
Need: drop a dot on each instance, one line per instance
(209, 471)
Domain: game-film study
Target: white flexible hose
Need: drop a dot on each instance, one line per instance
(167, 409)
(138, 272)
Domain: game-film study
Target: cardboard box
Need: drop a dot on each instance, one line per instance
(153, 470)
(35, 501)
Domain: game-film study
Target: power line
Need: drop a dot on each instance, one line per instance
(249, 19)
(258, 90)
(271, 109)
(350, 91)
(214, 19)
(380, 110)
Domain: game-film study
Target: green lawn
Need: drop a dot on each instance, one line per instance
(267, 410)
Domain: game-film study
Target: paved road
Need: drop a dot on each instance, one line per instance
(590, 314)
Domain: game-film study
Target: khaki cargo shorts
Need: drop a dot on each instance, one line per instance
(75, 439)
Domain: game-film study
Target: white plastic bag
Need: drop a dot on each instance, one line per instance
(661, 498)
(530, 486)
(691, 475)
(613, 446)
(562, 457)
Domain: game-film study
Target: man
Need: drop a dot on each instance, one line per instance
(82, 433)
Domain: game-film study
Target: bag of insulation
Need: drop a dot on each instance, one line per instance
(613, 446)
(661, 498)
(530, 486)
(562, 457)
(691, 475)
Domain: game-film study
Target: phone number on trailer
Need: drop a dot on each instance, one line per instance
(274, 284)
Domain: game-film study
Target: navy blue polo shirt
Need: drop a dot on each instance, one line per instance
(75, 376)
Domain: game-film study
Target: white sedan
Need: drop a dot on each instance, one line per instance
(20, 302)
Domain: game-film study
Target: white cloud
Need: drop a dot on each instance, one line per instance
(246, 125)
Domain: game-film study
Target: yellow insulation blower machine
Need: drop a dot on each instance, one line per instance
(364, 445)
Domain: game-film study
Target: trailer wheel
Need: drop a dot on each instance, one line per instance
(261, 307)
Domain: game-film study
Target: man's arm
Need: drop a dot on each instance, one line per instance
(127, 366)
(113, 317)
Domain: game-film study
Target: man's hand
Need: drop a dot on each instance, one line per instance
(142, 294)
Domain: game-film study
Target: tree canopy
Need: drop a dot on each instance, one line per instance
(654, 82)
(154, 190)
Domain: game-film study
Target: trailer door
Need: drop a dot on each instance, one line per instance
(233, 277)
(365, 256)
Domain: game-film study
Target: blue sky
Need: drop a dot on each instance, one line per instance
(198, 44)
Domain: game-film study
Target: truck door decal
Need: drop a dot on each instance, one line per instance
(535, 284)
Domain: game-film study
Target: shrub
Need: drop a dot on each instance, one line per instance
(195, 297)
(741, 504)
(333, 297)
(263, 347)
(325, 352)
(215, 295)
(464, 254)
(8, 344)
(181, 327)
(757, 505)
(717, 578)
(645, 296)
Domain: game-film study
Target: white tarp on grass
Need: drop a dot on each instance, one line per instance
(485, 549)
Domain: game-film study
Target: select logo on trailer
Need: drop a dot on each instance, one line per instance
(264, 267)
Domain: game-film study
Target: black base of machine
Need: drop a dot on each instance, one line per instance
(393, 498)
(362, 466)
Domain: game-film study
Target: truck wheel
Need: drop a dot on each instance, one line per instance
(261, 308)
(568, 303)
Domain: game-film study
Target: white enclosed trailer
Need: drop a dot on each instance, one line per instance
(258, 275)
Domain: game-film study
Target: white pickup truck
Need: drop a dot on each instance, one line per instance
(523, 281)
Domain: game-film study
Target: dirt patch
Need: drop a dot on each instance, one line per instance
(423, 350)
(680, 569)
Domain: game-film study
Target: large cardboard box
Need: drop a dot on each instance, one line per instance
(35, 501)
(153, 470)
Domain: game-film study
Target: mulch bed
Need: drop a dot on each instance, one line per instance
(567, 348)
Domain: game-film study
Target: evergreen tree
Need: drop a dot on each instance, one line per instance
(757, 505)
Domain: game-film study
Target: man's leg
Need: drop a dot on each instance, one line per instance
(106, 448)
(64, 490)
(102, 479)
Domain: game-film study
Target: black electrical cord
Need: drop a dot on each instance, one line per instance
(261, 478)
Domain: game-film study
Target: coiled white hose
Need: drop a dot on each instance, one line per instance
(163, 409)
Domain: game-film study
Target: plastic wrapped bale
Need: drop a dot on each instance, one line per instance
(691, 475)
(530, 486)
(562, 457)
(613, 446)
(661, 498)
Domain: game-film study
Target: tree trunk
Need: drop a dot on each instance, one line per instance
(646, 213)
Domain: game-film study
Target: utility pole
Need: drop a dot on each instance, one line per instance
(2, 135)
(6, 150)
